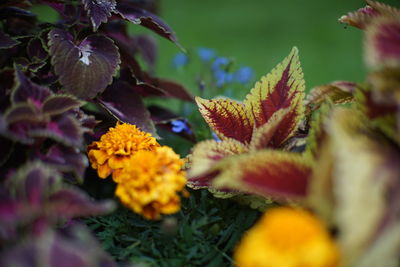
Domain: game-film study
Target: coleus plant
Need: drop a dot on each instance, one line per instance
(258, 136)
(56, 82)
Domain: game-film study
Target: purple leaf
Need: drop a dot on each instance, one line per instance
(6, 41)
(172, 89)
(125, 104)
(70, 203)
(146, 19)
(65, 130)
(58, 104)
(26, 90)
(147, 47)
(35, 50)
(98, 11)
(22, 112)
(66, 160)
(85, 69)
(33, 183)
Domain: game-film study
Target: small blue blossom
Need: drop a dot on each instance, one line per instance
(244, 75)
(180, 60)
(218, 62)
(205, 54)
(222, 77)
(180, 126)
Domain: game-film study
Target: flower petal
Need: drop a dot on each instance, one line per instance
(228, 118)
(283, 87)
(268, 173)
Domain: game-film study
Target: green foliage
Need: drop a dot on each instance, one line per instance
(204, 232)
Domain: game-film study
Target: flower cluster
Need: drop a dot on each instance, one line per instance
(286, 237)
(148, 176)
(116, 147)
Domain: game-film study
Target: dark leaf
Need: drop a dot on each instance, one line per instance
(6, 41)
(25, 90)
(98, 11)
(69, 203)
(58, 104)
(126, 105)
(67, 160)
(172, 89)
(84, 70)
(66, 130)
(146, 19)
(35, 50)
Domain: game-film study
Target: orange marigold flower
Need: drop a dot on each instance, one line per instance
(150, 182)
(116, 147)
(286, 237)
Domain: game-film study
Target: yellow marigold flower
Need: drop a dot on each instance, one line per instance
(116, 147)
(286, 237)
(150, 182)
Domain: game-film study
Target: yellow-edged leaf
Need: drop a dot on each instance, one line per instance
(227, 118)
(269, 173)
(282, 88)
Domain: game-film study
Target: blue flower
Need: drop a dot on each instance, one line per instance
(244, 75)
(205, 54)
(180, 60)
(218, 62)
(180, 126)
(222, 77)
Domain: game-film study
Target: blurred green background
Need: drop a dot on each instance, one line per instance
(260, 33)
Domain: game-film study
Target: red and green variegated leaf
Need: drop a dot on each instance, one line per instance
(364, 16)
(282, 88)
(366, 175)
(269, 173)
(227, 118)
(382, 45)
(58, 104)
(85, 69)
(206, 154)
(263, 135)
(339, 92)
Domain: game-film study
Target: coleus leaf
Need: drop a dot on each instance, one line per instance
(85, 69)
(382, 45)
(126, 105)
(206, 155)
(25, 90)
(36, 51)
(58, 104)
(282, 88)
(6, 41)
(146, 19)
(364, 16)
(98, 11)
(363, 184)
(70, 203)
(269, 173)
(227, 118)
(66, 160)
(33, 183)
(74, 245)
(263, 135)
(339, 92)
(66, 130)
